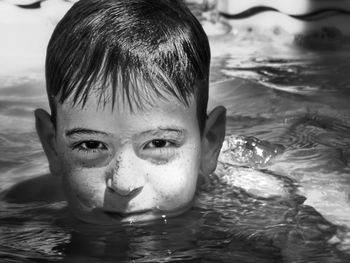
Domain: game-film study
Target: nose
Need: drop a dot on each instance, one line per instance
(131, 191)
(125, 179)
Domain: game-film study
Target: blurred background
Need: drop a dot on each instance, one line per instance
(26, 25)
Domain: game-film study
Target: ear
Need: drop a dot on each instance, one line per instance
(47, 135)
(213, 137)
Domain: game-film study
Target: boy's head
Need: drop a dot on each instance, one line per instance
(127, 82)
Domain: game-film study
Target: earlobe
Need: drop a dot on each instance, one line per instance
(213, 137)
(46, 132)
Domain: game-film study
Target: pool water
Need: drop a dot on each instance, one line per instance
(273, 90)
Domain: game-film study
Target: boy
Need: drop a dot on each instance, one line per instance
(128, 135)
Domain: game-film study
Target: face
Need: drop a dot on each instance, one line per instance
(122, 166)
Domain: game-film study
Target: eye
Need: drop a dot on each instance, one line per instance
(90, 146)
(158, 143)
(159, 151)
(90, 153)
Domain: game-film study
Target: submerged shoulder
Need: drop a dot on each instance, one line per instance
(45, 188)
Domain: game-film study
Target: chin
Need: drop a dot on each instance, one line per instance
(152, 215)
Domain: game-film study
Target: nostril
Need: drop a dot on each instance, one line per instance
(134, 192)
(125, 192)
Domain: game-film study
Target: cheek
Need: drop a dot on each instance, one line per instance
(85, 186)
(174, 184)
(82, 184)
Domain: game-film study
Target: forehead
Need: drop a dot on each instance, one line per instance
(166, 112)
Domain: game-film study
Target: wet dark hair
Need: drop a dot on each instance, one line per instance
(104, 48)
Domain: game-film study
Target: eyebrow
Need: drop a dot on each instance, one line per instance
(162, 131)
(77, 131)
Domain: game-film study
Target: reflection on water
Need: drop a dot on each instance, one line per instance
(297, 99)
